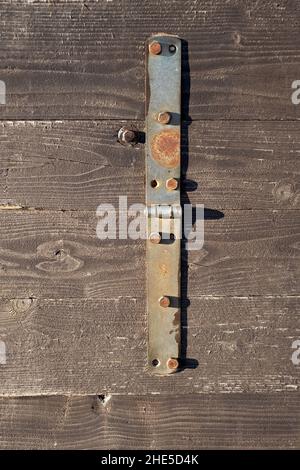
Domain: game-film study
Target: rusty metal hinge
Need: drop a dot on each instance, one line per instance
(163, 202)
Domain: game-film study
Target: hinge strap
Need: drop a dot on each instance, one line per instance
(163, 202)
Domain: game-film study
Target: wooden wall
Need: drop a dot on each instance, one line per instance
(72, 307)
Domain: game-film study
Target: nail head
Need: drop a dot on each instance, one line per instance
(172, 184)
(155, 48)
(164, 117)
(155, 237)
(164, 301)
(172, 363)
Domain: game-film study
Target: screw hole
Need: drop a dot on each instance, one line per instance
(172, 49)
(154, 184)
(155, 362)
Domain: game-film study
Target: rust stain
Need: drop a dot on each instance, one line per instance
(163, 269)
(176, 321)
(165, 148)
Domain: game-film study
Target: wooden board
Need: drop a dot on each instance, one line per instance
(239, 421)
(58, 255)
(83, 346)
(78, 165)
(63, 60)
(72, 307)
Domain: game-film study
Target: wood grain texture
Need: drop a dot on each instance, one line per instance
(240, 421)
(64, 60)
(57, 255)
(78, 165)
(83, 346)
(72, 307)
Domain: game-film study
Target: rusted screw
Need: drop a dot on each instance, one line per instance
(126, 136)
(171, 184)
(172, 363)
(164, 301)
(155, 237)
(155, 48)
(164, 117)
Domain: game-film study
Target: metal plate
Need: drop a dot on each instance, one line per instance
(162, 165)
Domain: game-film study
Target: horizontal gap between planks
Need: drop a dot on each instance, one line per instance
(151, 394)
(12, 209)
(163, 395)
(191, 297)
(142, 120)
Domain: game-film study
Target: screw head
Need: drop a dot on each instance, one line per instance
(155, 48)
(172, 363)
(155, 237)
(164, 117)
(164, 301)
(171, 184)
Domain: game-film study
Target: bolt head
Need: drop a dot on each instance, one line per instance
(164, 301)
(172, 363)
(171, 184)
(164, 117)
(155, 48)
(126, 136)
(155, 237)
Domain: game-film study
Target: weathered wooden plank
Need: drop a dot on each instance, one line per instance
(86, 60)
(78, 165)
(57, 255)
(239, 421)
(85, 346)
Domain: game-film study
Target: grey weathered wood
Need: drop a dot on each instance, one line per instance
(57, 255)
(85, 346)
(72, 308)
(86, 60)
(239, 421)
(78, 165)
